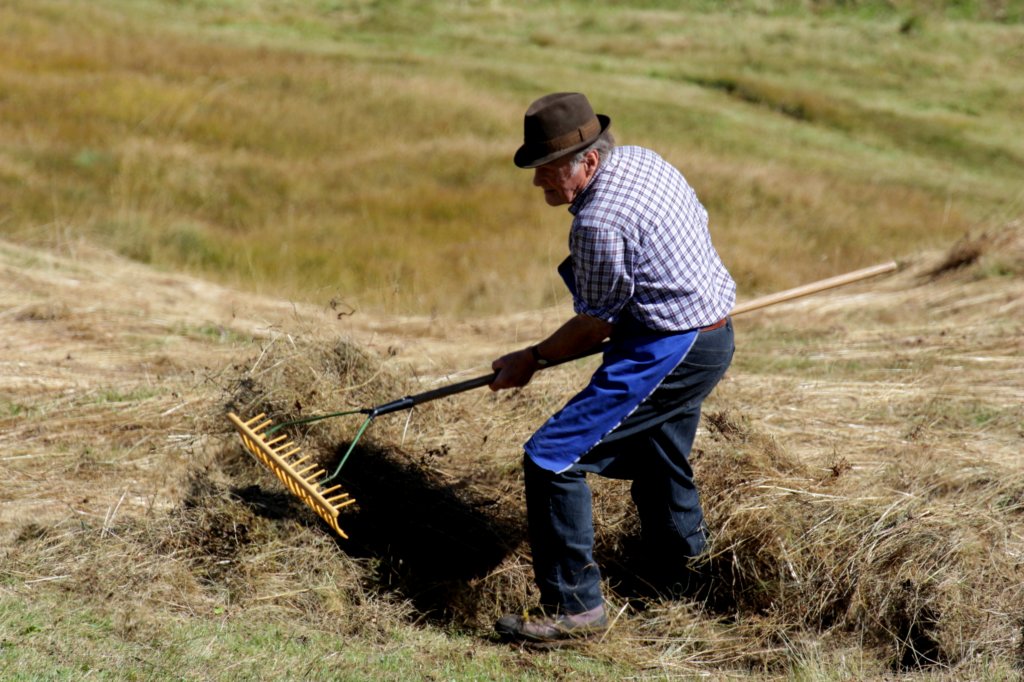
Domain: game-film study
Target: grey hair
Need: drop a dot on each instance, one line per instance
(603, 145)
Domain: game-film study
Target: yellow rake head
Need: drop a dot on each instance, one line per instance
(283, 459)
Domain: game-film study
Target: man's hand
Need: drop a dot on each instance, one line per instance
(514, 370)
(577, 336)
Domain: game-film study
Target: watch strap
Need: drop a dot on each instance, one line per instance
(538, 358)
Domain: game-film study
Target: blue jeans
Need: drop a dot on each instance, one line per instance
(651, 448)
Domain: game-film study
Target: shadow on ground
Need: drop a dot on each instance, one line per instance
(431, 537)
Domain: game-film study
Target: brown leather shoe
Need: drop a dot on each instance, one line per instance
(542, 628)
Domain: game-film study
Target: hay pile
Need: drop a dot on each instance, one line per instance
(893, 561)
(996, 252)
(896, 562)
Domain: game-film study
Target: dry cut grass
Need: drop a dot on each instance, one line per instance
(859, 465)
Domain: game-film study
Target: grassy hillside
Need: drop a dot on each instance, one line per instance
(860, 464)
(360, 152)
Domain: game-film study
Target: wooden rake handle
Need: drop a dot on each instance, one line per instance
(814, 287)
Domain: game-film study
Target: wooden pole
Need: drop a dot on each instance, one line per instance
(814, 287)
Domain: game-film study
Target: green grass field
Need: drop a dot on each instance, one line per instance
(360, 152)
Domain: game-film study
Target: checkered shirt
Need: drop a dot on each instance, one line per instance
(640, 246)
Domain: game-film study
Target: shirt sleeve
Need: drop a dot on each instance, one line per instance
(602, 266)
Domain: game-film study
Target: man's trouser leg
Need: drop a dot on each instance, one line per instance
(666, 498)
(653, 451)
(664, 492)
(561, 527)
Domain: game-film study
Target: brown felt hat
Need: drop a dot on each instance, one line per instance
(556, 125)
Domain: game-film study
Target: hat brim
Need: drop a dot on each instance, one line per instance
(527, 156)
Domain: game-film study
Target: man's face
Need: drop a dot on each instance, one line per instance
(560, 181)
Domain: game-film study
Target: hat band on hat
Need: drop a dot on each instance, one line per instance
(588, 130)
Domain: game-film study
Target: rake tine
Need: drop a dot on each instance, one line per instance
(299, 461)
(265, 424)
(312, 466)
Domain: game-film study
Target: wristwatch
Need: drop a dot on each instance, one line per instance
(538, 358)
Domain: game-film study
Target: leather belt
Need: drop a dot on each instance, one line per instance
(717, 325)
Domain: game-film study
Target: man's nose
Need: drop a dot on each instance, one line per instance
(536, 177)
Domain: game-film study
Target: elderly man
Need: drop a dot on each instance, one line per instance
(644, 274)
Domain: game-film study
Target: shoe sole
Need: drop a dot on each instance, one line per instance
(576, 636)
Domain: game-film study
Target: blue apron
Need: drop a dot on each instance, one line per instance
(632, 367)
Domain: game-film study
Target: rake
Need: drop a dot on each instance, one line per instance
(304, 480)
(308, 481)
